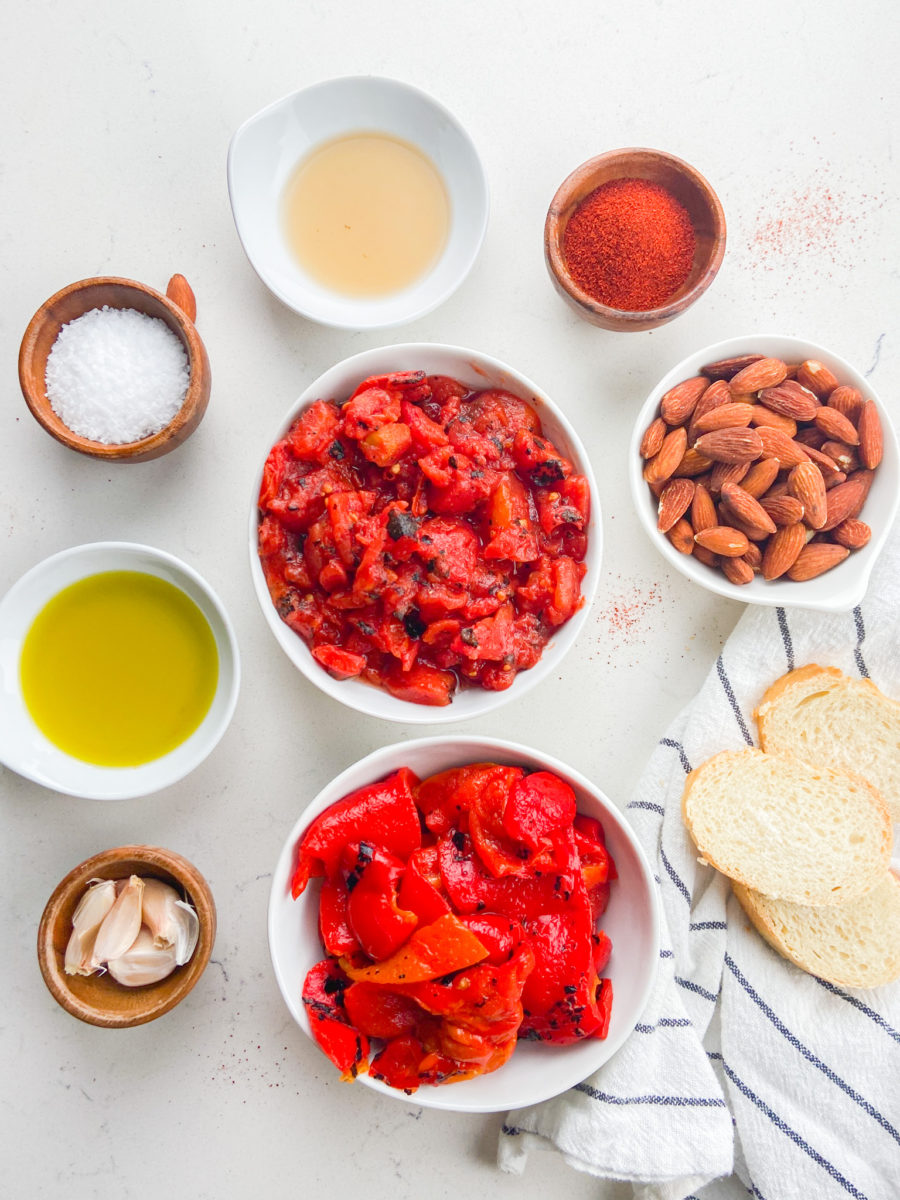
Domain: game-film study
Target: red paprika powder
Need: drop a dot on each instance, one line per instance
(629, 244)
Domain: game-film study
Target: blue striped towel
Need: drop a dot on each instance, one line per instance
(745, 1076)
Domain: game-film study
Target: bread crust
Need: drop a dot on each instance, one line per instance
(758, 909)
(781, 686)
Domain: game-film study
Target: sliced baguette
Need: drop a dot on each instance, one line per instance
(793, 831)
(856, 944)
(822, 715)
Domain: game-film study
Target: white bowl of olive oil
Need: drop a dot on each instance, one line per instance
(119, 671)
(360, 202)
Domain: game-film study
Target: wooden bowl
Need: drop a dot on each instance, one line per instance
(685, 184)
(98, 999)
(177, 309)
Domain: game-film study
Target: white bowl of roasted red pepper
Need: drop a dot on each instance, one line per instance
(465, 921)
(422, 539)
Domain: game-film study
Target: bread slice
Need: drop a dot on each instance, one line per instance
(813, 835)
(856, 944)
(823, 716)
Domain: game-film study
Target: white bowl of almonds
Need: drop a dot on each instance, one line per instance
(765, 468)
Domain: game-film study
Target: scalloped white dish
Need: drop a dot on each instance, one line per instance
(837, 590)
(266, 149)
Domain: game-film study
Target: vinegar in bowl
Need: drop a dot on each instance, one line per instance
(366, 214)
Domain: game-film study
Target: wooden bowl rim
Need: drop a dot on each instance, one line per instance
(196, 396)
(616, 318)
(114, 864)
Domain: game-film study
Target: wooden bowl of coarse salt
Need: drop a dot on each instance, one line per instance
(116, 370)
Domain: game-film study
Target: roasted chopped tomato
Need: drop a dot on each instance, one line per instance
(414, 503)
(447, 952)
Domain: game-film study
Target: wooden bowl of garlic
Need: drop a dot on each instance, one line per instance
(126, 935)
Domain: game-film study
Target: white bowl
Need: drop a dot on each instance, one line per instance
(839, 589)
(536, 1071)
(479, 371)
(266, 149)
(25, 749)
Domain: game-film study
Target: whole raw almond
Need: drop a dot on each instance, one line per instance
(737, 571)
(852, 533)
(722, 417)
(706, 556)
(715, 396)
(844, 457)
(847, 400)
(727, 368)
(703, 511)
(817, 378)
(692, 464)
(670, 454)
(736, 445)
(790, 399)
(654, 435)
(782, 550)
(809, 435)
(760, 477)
(805, 482)
(815, 559)
(724, 540)
(753, 557)
(774, 420)
(723, 473)
(775, 444)
(679, 401)
(844, 501)
(835, 426)
(746, 509)
(833, 478)
(681, 535)
(871, 436)
(864, 480)
(822, 460)
(674, 501)
(783, 510)
(764, 373)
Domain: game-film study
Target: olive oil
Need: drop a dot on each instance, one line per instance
(119, 668)
(366, 214)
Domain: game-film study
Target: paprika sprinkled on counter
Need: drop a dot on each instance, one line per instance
(629, 245)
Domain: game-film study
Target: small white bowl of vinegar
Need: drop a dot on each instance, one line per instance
(119, 671)
(360, 202)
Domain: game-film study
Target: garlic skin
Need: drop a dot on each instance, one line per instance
(171, 921)
(143, 962)
(92, 908)
(121, 924)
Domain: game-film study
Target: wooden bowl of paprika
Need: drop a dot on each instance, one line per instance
(633, 237)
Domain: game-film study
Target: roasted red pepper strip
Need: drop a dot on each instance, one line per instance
(334, 927)
(497, 850)
(433, 950)
(471, 889)
(372, 877)
(502, 935)
(559, 995)
(384, 812)
(538, 804)
(323, 992)
(378, 1012)
(420, 886)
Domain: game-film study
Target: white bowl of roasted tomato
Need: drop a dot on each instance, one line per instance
(424, 534)
(464, 921)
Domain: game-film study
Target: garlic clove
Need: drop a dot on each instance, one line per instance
(86, 920)
(121, 925)
(188, 932)
(171, 921)
(143, 962)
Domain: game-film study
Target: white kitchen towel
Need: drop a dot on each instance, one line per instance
(740, 1053)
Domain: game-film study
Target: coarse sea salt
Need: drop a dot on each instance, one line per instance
(116, 375)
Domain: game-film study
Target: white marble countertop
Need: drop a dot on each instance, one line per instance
(117, 120)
